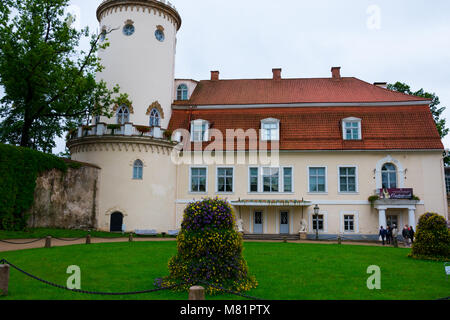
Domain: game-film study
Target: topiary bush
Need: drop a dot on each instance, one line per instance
(432, 239)
(19, 168)
(209, 250)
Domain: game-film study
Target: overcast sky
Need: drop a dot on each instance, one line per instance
(376, 41)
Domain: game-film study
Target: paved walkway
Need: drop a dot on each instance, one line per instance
(60, 243)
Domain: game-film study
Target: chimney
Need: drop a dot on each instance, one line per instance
(276, 74)
(336, 72)
(215, 75)
(381, 84)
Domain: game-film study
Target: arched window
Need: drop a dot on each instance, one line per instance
(123, 115)
(389, 176)
(155, 118)
(182, 92)
(138, 170)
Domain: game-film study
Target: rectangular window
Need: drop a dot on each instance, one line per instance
(199, 131)
(225, 180)
(317, 180)
(349, 223)
(198, 179)
(270, 131)
(347, 179)
(352, 130)
(287, 179)
(271, 178)
(317, 220)
(253, 179)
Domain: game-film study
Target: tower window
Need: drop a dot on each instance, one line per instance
(128, 29)
(123, 115)
(138, 170)
(182, 92)
(155, 118)
(159, 34)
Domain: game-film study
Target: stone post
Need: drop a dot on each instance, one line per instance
(4, 279)
(339, 240)
(130, 237)
(48, 242)
(196, 293)
(88, 239)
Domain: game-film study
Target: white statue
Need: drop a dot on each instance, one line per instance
(239, 225)
(303, 226)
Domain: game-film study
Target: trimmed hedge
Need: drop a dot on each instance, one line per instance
(210, 250)
(432, 239)
(19, 169)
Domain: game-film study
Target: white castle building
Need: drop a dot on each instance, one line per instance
(338, 141)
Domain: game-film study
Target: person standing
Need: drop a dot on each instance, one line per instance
(411, 234)
(388, 234)
(405, 234)
(395, 236)
(382, 234)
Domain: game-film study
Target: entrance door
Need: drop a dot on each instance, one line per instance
(391, 220)
(258, 223)
(284, 222)
(116, 222)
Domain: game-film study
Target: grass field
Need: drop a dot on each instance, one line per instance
(284, 271)
(60, 233)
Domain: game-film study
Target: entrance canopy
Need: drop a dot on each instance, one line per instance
(271, 203)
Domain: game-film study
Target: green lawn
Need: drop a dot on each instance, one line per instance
(284, 271)
(59, 233)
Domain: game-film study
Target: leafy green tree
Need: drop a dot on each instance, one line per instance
(434, 106)
(49, 83)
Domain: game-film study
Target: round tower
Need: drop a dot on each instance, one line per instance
(140, 58)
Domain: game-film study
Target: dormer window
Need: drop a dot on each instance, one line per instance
(182, 92)
(199, 131)
(270, 130)
(351, 128)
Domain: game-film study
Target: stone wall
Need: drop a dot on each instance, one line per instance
(66, 200)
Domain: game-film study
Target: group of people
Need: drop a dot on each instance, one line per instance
(390, 235)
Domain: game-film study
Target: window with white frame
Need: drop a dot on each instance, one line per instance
(199, 131)
(317, 179)
(270, 130)
(349, 223)
(253, 179)
(155, 118)
(287, 180)
(271, 179)
(351, 128)
(182, 92)
(123, 115)
(199, 178)
(318, 220)
(225, 180)
(138, 170)
(389, 176)
(347, 179)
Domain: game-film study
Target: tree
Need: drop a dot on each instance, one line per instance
(49, 83)
(436, 112)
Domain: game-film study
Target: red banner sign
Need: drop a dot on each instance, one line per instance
(406, 194)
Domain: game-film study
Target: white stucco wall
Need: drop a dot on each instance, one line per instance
(143, 66)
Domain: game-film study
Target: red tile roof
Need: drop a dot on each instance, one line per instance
(290, 91)
(319, 128)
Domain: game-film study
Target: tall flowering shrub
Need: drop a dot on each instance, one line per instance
(209, 250)
(432, 239)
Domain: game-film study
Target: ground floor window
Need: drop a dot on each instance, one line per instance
(318, 220)
(225, 180)
(349, 223)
